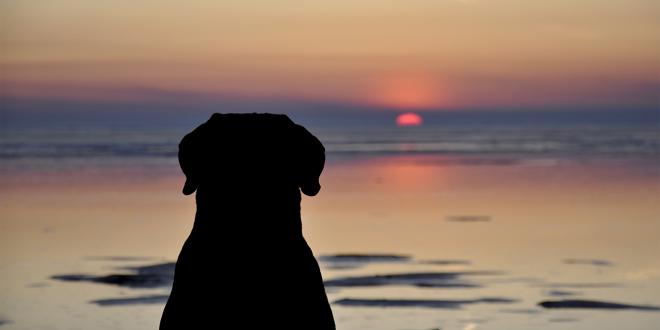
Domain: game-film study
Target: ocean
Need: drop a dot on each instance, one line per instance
(442, 226)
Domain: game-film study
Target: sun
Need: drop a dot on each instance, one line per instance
(409, 119)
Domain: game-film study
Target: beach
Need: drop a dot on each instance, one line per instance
(433, 228)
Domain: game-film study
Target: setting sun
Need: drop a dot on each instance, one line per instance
(409, 119)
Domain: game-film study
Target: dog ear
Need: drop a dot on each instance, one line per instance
(311, 160)
(190, 159)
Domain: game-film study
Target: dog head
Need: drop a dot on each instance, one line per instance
(251, 150)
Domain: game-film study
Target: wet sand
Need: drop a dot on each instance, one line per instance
(565, 243)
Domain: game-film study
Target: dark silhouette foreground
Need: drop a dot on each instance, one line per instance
(246, 264)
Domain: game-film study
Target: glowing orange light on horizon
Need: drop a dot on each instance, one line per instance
(409, 119)
(405, 92)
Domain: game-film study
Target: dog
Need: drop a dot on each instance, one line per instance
(245, 264)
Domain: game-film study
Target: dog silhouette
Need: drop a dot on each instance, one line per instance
(245, 264)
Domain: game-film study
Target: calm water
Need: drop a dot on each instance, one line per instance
(498, 219)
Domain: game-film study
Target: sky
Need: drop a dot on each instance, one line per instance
(420, 55)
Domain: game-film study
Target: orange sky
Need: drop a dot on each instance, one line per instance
(403, 54)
